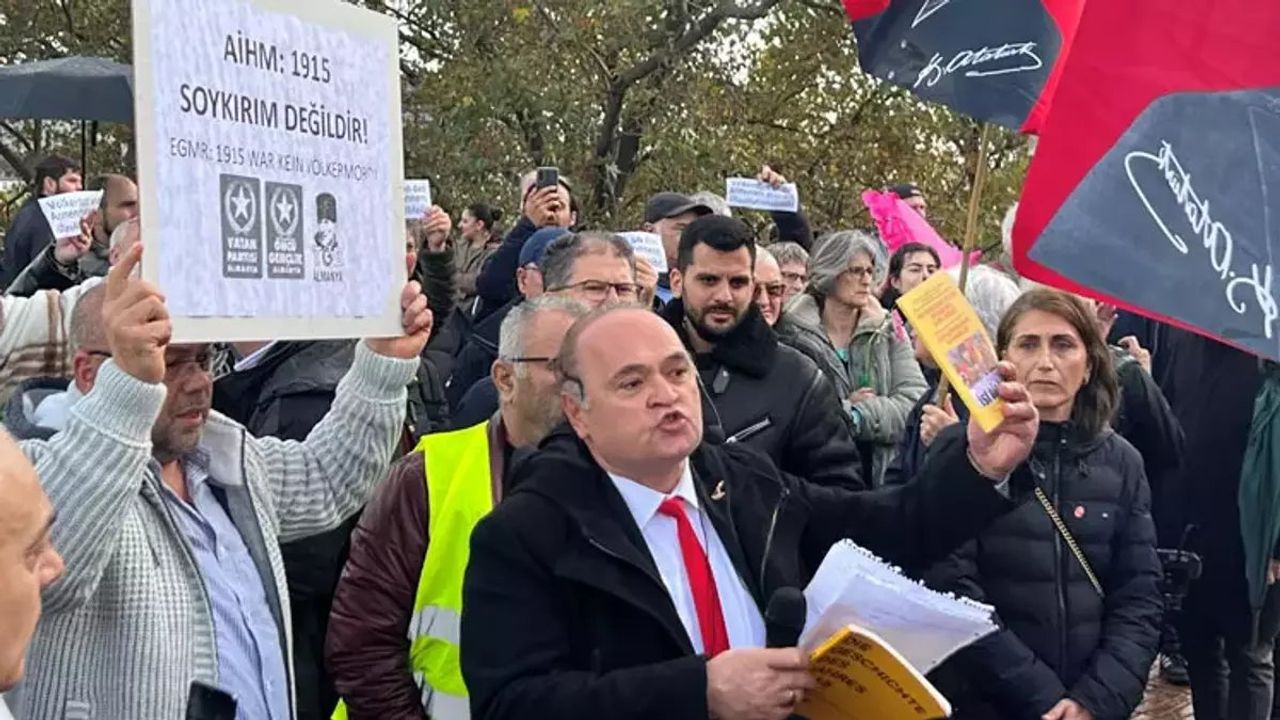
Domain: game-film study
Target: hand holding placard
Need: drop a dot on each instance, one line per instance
(417, 320)
(758, 195)
(64, 212)
(417, 198)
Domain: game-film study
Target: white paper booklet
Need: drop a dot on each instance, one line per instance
(853, 586)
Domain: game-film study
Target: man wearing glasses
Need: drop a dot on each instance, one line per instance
(770, 286)
(591, 268)
(171, 517)
(392, 648)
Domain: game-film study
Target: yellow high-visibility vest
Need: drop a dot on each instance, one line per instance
(459, 495)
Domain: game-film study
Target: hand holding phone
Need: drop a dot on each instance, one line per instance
(548, 177)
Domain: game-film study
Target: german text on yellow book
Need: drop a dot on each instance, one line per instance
(860, 677)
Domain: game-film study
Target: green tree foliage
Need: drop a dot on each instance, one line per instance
(627, 97)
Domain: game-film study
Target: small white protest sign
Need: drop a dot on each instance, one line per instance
(65, 211)
(270, 166)
(755, 195)
(417, 198)
(648, 245)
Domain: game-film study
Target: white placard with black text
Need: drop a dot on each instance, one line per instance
(755, 195)
(65, 211)
(648, 246)
(417, 199)
(270, 167)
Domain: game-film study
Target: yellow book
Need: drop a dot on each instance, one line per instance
(860, 677)
(950, 329)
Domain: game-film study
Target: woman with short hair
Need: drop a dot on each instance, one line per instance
(839, 324)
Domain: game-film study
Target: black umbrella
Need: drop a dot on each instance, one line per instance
(71, 88)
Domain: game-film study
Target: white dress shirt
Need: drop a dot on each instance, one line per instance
(741, 616)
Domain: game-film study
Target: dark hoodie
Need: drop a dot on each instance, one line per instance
(770, 396)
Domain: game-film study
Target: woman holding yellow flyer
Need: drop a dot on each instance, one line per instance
(1072, 574)
(840, 325)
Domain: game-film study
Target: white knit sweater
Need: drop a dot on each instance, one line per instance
(128, 627)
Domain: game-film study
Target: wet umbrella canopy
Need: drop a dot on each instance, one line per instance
(73, 88)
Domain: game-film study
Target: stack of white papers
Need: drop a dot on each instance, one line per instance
(854, 587)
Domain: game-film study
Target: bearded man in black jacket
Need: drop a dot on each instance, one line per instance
(626, 573)
(758, 391)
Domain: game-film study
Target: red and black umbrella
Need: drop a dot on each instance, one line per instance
(1156, 183)
(993, 60)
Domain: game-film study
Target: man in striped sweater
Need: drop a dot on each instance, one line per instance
(170, 517)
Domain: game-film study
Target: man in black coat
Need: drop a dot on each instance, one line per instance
(758, 391)
(575, 603)
(29, 233)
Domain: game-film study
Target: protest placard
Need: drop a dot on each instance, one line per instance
(270, 167)
(755, 195)
(417, 199)
(648, 245)
(65, 211)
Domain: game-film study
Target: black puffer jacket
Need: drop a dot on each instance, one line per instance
(1060, 639)
(773, 398)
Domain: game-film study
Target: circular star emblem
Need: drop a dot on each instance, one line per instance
(239, 205)
(284, 211)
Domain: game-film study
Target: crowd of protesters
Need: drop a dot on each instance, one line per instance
(571, 487)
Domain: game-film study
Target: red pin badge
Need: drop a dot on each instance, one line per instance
(1079, 512)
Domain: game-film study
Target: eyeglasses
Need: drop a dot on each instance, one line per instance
(517, 360)
(775, 290)
(794, 277)
(862, 272)
(598, 290)
(174, 367)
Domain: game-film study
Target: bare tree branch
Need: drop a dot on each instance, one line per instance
(415, 32)
(556, 28)
(726, 10)
(22, 139)
(15, 161)
(65, 6)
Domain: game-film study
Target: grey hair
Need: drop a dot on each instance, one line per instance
(991, 293)
(118, 235)
(718, 205)
(836, 251)
(87, 325)
(563, 253)
(789, 253)
(1006, 230)
(763, 252)
(515, 326)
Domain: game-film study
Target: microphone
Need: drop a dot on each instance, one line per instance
(712, 432)
(784, 618)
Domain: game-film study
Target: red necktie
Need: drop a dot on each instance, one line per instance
(702, 583)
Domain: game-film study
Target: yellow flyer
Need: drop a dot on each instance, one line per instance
(955, 337)
(860, 677)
